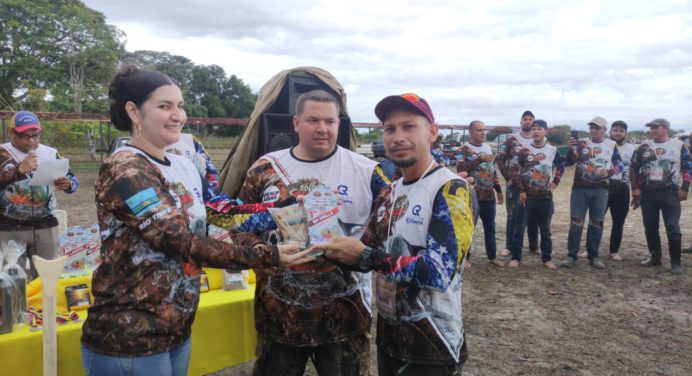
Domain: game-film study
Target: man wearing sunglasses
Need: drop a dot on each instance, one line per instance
(27, 212)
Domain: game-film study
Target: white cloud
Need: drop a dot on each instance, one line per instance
(490, 60)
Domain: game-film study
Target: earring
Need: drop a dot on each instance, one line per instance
(138, 130)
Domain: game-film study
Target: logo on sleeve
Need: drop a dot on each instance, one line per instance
(143, 202)
(271, 194)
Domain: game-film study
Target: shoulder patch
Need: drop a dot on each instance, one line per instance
(143, 202)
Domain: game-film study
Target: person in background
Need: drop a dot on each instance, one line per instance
(192, 149)
(507, 163)
(619, 188)
(438, 154)
(661, 175)
(152, 221)
(415, 242)
(476, 158)
(540, 163)
(597, 159)
(27, 212)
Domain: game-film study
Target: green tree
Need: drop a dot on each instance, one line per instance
(559, 134)
(58, 45)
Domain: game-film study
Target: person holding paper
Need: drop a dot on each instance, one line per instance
(27, 211)
(152, 221)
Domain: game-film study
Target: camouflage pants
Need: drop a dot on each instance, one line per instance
(350, 357)
(388, 366)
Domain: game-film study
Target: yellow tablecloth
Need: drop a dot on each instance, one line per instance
(223, 335)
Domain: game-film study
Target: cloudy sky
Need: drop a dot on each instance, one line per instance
(567, 61)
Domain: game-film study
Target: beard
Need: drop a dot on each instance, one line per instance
(619, 139)
(527, 130)
(403, 163)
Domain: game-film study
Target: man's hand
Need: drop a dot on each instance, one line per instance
(682, 195)
(522, 198)
(636, 194)
(30, 163)
(290, 254)
(465, 175)
(552, 187)
(62, 183)
(603, 172)
(500, 198)
(572, 142)
(345, 250)
(487, 157)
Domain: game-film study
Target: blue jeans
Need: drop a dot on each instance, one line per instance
(487, 210)
(540, 211)
(595, 201)
(170, 363)
(512, 206)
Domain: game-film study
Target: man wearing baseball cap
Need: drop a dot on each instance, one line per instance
(619, 187)
(27, 212)
(661, 174)
(416, 240)
(508, 164)
(596, 159)
(541, 168)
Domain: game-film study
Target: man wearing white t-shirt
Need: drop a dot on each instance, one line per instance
(661, 175)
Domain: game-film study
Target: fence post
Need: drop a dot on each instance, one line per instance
(101, 146)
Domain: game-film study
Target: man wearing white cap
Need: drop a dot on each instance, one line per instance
(597, 159)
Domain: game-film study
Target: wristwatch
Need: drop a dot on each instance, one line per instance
(365, 259)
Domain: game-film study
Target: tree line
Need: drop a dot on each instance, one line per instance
(59, 56)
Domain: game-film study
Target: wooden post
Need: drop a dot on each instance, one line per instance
(49, 271)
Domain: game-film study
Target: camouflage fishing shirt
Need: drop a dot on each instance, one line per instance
(147, 288)
(316, 303)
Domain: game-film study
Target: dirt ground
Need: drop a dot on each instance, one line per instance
(625, 320)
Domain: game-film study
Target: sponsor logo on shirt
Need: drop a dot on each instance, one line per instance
(415, 219)
(271, 194)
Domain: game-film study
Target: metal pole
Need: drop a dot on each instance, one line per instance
(4, 131)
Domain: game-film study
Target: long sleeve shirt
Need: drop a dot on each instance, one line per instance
(485, 175)
(538, 166)
(152, 222)
(508, 156)
(590, 158)
(23, 206)
(661, 165)
(420, 232)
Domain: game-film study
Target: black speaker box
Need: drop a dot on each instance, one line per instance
(277, 132)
